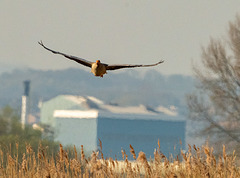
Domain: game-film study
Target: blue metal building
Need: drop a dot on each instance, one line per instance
(84, 120)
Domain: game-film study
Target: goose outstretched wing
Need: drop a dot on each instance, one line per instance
(77, 59)
(115, 67)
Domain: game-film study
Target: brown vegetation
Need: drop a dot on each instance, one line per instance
(196, 162)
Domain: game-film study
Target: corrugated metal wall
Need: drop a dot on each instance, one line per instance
(143, 135)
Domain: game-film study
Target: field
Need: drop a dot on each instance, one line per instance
(196, 162)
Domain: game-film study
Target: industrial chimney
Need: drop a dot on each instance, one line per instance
(25, 101)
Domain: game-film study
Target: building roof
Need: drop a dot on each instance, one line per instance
(91, 107)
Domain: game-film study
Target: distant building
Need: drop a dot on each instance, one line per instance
(83, 120)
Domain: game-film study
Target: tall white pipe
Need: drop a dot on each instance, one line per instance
(25, 101)
(24, 111)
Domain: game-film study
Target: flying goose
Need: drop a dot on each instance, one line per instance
(98, 68)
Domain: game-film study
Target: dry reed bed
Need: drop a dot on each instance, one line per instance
(196, 162)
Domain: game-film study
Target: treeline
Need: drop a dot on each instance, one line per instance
(131, 86)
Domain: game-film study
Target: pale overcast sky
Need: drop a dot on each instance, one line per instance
(114, 31)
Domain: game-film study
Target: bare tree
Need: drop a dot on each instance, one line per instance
(216, 102)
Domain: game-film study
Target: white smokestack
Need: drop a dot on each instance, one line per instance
(25, 99)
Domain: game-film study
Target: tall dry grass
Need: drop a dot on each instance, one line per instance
(196, 162)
